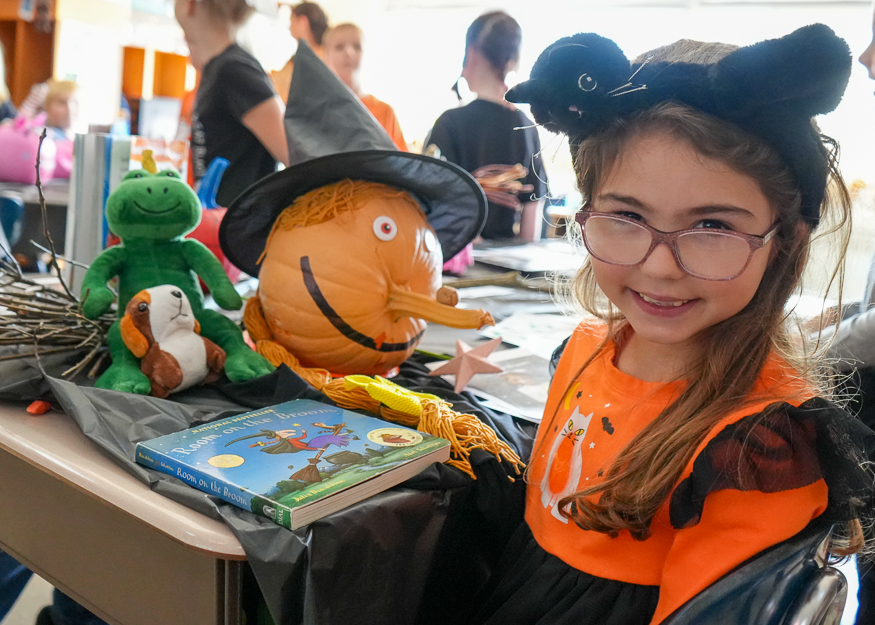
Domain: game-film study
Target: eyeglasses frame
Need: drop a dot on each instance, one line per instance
(756, 242)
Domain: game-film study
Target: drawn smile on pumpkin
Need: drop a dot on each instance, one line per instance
(146, 210)
(342, 326)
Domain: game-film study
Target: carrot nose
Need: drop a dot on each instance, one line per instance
(409, 304)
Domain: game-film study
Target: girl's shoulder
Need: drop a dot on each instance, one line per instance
(783, 446)
(586, 338)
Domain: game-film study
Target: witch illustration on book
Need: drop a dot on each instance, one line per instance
(286, 441)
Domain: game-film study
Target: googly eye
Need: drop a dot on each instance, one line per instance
(430, 241)
(143, 307)
(586, 83)
(385, 228)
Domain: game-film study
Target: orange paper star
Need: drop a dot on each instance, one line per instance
(469, 361)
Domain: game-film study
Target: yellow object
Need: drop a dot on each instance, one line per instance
(395, 397)
(149, 162)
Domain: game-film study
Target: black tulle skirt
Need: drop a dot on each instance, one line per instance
(534, 587)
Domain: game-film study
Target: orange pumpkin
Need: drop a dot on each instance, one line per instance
(352, 293)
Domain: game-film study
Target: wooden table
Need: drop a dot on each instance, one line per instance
(131, 556)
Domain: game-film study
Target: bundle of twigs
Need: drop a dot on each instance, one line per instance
(42, 320)
(39, 319)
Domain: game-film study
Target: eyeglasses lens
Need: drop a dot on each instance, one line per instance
(615, 240)
(714, 255)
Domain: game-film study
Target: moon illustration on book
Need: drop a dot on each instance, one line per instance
(226, 461)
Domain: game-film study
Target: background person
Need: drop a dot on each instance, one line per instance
(237, 115)
(343, 54)
(61, 107)
(485, 131)
(7, 108)
(853, 348)
(309, 24)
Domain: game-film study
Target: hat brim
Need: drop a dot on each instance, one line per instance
(452, 200)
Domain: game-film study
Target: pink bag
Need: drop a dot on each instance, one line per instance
(461, 261)
(64, 158)
(19, 142)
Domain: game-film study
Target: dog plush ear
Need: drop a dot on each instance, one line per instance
(197, 326)
(804, 73)
(135, 327)
(133, 338)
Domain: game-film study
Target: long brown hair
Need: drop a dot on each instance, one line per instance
(722, 379)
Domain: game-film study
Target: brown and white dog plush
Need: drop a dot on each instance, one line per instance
(160, 328)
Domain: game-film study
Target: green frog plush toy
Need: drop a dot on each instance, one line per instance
(150, 213)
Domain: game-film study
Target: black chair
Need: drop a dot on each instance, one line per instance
(789, 584)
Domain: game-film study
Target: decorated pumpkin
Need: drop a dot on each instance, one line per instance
(348, 241)
(350, 276)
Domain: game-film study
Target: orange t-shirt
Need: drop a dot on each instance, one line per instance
(387, 119)
(597, 414)
(282, 79)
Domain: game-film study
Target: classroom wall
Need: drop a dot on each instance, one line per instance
(88, 49)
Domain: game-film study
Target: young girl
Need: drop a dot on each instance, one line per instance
(237, 115)
(489, 131)
(681, 437)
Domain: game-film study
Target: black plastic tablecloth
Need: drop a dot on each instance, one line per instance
(417, 553)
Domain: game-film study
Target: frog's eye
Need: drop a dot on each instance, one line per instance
(134, 175)
(385, 228)
(169, 173)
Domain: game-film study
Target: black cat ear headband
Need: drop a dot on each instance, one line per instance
(771, 89)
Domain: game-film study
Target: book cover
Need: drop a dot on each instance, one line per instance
(294, 462)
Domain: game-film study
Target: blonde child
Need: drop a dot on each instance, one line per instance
(61, 107)
(682, 435)
(343, 54)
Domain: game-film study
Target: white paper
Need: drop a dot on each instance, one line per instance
(540, 334)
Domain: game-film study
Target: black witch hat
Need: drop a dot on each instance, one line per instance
(331, 137)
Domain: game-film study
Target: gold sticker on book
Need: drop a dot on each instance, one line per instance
(226, 461)
(394, 437)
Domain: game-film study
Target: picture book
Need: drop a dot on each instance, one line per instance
(294, 462)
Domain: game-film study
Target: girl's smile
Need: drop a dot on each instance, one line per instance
(664, 183)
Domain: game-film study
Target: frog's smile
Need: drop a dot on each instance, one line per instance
(342, 326)
(146, 210)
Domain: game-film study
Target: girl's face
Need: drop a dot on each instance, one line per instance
(666, 184)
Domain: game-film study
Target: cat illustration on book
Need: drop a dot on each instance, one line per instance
(562, 480)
